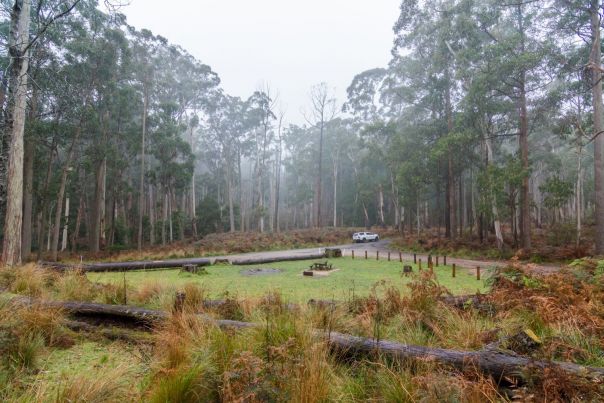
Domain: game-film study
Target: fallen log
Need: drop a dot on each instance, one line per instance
(112, 333)
(498, 364)
(495, 363)
(477, 301)
(464, 301)
(275, 259)
(132, 265)
(136, 315)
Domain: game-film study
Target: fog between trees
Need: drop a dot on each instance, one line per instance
(486, 122)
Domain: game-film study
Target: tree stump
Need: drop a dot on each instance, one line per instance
(407, 270)
(193, 269)
(333, 252)
(179, 302)
(308, 273)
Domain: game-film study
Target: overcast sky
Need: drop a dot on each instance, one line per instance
(289, 44)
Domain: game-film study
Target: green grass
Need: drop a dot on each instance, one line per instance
(354, 277)
(87, 371)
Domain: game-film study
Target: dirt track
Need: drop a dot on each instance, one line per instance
(383, 247)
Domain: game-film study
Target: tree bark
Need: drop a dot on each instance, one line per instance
(278, 173)
(494, 209)
(61, 194)
(451, 205)
(151, 215)
(181, 217)
(193, 197)
(18, 43)
(43, 213)
(28, 179)
(319, 174)
(164, 218)
(170, 209)
(525, 212)
(76, 232)
(381, 204)
(103, 205)
(95, 227)
(335, 193)
(65, 225)
(229, 179)
(596, 88)
(130, 265)
(241, 205)
(141, 196)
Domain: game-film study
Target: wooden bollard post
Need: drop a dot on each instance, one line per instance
(414, 258)
(377, 255)
(353, 254)
(388, 256)
(436, 260)
(179, 302)
(429, 260)
(400, 257)
(420, 264)
(365, 255)
(477, 272)
(453, 270)
(445, 260)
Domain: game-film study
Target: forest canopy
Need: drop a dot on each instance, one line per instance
(485, 123)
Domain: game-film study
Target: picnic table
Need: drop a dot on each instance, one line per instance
(321, 266)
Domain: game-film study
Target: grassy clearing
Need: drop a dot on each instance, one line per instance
(187, 359)
(356, 277)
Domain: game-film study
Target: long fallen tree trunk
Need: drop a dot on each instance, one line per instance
(263, 260)
(498, 364)
(133, 265)
(172, 263)
(477, 301)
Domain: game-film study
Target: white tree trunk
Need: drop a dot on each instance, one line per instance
(335, 193)
(65, 226)
(141, 196)
(18, 42)
(170, 215)
(103, 211)
(151, 216)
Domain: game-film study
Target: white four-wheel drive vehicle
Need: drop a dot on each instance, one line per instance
(365, 237)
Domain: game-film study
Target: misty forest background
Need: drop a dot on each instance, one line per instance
(484, 125)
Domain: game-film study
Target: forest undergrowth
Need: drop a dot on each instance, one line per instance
(186, 358)
(556, 243)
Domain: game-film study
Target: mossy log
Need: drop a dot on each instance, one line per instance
(275, 259)
(127, 266)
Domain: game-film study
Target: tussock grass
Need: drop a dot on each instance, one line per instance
(30, 280)
(93, 387)
(282, 360)
(191, 384)
(75, 286)
(114, 292)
